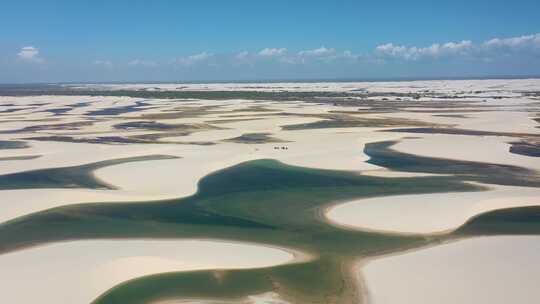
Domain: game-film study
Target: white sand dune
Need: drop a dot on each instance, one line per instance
(443, 86)
(80, 271)
(428, 213)
(338, 149)
(495, 270)
(309, 148)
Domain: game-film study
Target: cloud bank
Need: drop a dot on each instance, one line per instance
(519, 55)
(522, 45)
(29, 54)
(272, 52)
(527, 45)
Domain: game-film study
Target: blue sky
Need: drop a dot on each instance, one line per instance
(49, 41)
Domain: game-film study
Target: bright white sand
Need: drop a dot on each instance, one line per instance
(178, 177)
(339, 149)
(80, 271)
(428, 213)
(205, 136)
(500, 121)
(495, 270)
(500, 86)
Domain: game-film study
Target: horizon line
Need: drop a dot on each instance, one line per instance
(278, 80)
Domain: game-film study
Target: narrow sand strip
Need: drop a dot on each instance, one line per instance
(263, 298)
(486, 149)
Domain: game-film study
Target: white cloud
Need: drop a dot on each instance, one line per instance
(243, 58)
(200, 57)
(322, 51)
(271, 52)
(391, 49)
(527, 44)
(349, 54)
(322, 54)
(242, 55)
(103, 63)
(460, 46)
(29, 54)
(345, 55)
(142, 63)
(434, 50)
(514, 42)
(195, 58)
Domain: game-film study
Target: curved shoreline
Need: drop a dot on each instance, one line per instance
(133, 259)
(473, 204)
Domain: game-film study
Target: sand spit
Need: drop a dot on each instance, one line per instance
(57, 273)
(488, 149)
(428, 213)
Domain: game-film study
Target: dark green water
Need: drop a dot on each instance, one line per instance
(383, 155)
